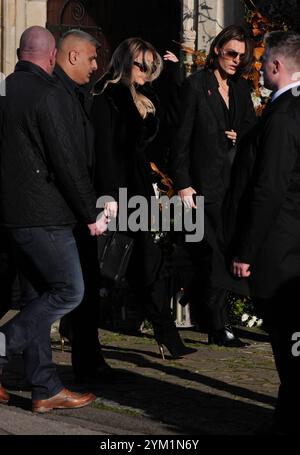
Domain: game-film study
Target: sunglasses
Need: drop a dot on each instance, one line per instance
(143, 67)
(230, 54)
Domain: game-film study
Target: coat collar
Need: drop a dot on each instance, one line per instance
(67, 82)
(120, 98)
(274, 105)
(29, 67)
(77, 91)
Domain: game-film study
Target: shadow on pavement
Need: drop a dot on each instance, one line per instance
(202, 405)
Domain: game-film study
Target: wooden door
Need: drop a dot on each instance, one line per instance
(111, 21)
(63, 15)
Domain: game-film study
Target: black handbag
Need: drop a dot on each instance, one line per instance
(114, 251)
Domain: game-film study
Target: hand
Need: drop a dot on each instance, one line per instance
(93, 229)
(171, 57)
(102, 223)
(231, 135)
(100, 226)
(240, 269)
(186, 196)
(111, 209)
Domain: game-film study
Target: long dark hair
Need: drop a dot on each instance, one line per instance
(232, 32)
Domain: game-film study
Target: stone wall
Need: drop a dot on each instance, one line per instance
(213, 15)
(15, 17)
(204, 19)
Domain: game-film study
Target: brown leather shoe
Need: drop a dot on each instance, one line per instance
(4, 396)
(65, 399)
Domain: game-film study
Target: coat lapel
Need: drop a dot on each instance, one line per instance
(214, 99)
(236, 108)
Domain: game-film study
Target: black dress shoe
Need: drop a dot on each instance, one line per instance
(225, 337)
(103, 374)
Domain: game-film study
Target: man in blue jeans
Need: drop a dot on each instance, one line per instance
(45, 189)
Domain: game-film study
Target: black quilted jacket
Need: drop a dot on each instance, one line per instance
(44, 177)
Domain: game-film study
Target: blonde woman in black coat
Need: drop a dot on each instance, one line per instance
(125, 120)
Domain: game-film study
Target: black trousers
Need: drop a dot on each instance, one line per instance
(209, 300)
(150, 277)
(81, 325)
(281, 315)
(7, 272)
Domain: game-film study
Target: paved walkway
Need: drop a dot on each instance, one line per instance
(215, 391)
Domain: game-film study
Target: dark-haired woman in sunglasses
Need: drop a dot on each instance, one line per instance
(126, 122)
(215, 114)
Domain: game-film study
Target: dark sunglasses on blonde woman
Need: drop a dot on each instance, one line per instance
(143, 67)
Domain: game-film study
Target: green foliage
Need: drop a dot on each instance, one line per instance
(242, 311)
(239, 305)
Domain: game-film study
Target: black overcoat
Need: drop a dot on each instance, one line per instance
(264, 201)
(203, 156)
(122, 138)
(201, 149)
(122, 161)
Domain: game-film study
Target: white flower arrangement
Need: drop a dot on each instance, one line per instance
(256, 100)
(265, 93)
(158, 236)
(251, 320)
(260, 95)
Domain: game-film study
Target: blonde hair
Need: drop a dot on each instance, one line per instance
(120, 70)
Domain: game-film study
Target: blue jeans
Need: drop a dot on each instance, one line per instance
(48, 259)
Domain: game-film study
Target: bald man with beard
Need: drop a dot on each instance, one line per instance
(45, 189)
(75, 64)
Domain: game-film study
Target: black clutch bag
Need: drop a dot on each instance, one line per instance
(114, 251)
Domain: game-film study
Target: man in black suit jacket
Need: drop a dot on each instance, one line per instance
(45, 188)
(76, 62)
(266, 245)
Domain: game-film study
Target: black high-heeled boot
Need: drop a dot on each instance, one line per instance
(65, 331)
(170, 339)
(225, 337)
